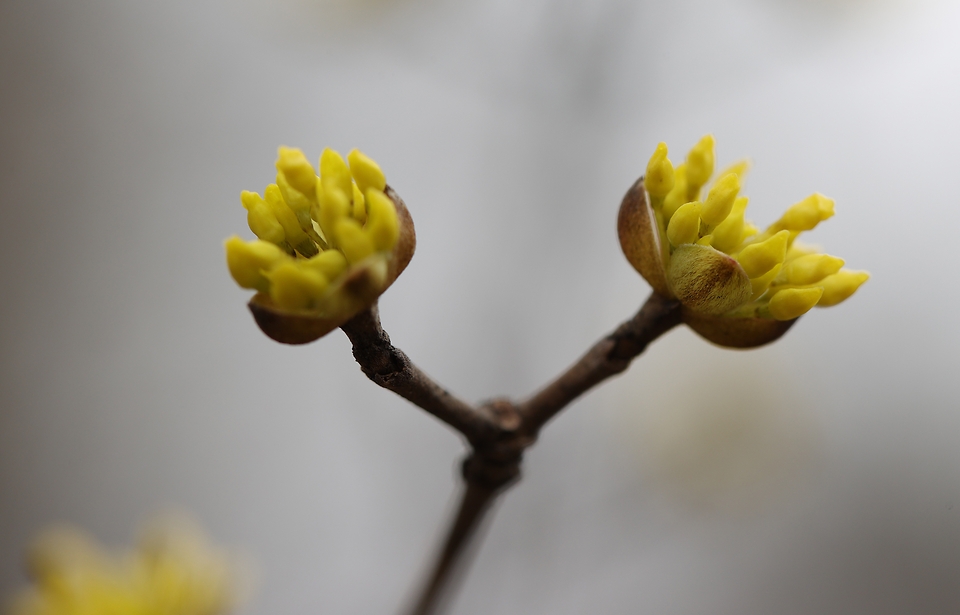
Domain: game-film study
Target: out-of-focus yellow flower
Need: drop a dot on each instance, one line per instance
(327, 246)
(739, 287)
(174, 571)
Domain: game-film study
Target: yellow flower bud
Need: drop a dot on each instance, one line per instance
(728, 235)
(383, 227)
(331, 263)
(839, 286)
(260, 219)
(284, 215)
(738, 168)
(333, 205)
(720, 200)
(684, 226)
(761, 284)
(759, 258)
(339, 250)
(293, 165)
(359, 211)
(334, 172)
(811, 268)
(806, 214)
(678, 195)
(296, 288)
(700, 163)
(366, 172)
(659, 178)
(247, 261)
(355, 243)
(297, 201)
(791, 303)
(736, 286)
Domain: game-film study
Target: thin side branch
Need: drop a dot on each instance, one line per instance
(608, 357)
(391, 369)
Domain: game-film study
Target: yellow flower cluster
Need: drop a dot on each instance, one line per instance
(314, 232)
(737, 286)
(781, 278)
(175, 571)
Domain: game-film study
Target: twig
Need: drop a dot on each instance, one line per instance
(500, 431)
(608, 357)
(474, 503)
(390, 368)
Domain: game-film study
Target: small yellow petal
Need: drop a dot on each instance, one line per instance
(331, 263)
(806, 214)
(247, 260)
(260, 219)
(366, 171)
(295, 288)
(334, 172)
(700, 163)
(356, 244)
(839, 286)
(759, 258)
(728, 235)
(684, 226)
(296, 168)
(720, 199)
(359, 211)
(334, 205)
(297, 201)
(811, 268)
(794, 302)
(678, 195)
(383, 227)
(738, 168)
(762, 283)
(659, 177)
(284, 215)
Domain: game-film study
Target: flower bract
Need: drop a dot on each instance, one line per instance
(739, 286)
(327, 246)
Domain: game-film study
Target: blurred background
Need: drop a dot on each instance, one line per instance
(817, 475)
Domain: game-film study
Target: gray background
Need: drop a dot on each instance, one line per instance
(818, 475)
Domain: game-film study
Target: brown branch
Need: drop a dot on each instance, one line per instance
(474, 504)
(499, 431)
(390, 368)
(608, 357)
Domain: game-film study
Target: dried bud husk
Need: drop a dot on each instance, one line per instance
(355, 292)
(707, 280)
(733, 332)
(640, 239)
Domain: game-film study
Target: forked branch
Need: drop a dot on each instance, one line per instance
(499, 431)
